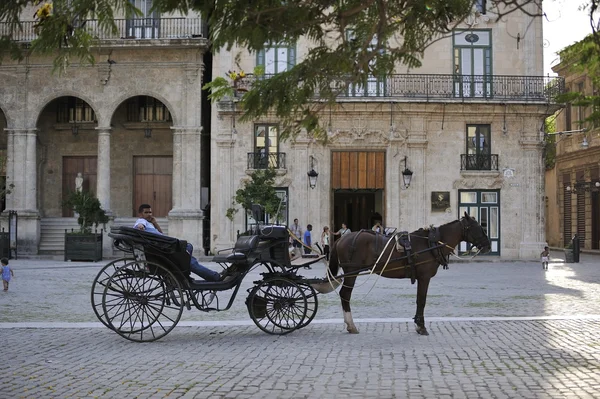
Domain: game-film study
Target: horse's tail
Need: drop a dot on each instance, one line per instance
(332, 283)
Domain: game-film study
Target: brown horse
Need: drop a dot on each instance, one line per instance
(415, 255)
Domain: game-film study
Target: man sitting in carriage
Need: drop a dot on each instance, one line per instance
(147, 222)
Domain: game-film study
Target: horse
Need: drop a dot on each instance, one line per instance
(415, 255)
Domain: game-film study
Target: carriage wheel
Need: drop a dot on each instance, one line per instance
(277, 306)
(142, 301)
(312, 304)
(100, 283)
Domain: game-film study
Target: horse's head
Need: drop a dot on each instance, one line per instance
(474, 234)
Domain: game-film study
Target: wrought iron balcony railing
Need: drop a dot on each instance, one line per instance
(259, 160)
(440, 87)
(138, 28)
(479, 162)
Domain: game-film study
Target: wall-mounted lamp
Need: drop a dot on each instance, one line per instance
(147, 131)
(583, 187)
(406, 174)
(312, 174)
(584, 144)
(75, 128)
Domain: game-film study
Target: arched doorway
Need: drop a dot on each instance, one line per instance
(142, 156)
(66, 146)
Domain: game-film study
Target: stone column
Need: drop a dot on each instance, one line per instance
(103, 183)
(185, 219)
(22, 166)
(532, 226)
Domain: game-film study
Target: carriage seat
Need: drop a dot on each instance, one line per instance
(243, 246)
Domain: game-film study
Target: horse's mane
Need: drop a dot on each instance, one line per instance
(425, 230)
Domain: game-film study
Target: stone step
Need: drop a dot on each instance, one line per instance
(52, 232)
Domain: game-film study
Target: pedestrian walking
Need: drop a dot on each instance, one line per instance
(325, 242)
(308, 239)
(545, 255)
(342, 231)
(7, 273)
(297, 232)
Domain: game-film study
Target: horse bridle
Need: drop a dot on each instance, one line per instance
(466, 234)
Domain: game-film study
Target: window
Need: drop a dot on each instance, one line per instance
(580, 109)
(147, 109)
(472, 63)
(282, 193)
(277, 58)
(374, 86)
(266, 146)
(73, 109)
(478, 145)
(481, 6)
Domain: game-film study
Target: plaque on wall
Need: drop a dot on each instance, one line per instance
(440, 201)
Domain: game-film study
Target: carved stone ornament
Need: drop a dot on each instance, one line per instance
(479, 183)
(349, 137)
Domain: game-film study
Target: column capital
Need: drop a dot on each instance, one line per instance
(103, 129)
(21, 131)
(187, 130)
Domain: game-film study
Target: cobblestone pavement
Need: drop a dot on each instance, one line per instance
(497, 330)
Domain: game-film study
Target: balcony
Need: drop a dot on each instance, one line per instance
(138, 28)
(479, 162)
(452, 87)
(258, 160)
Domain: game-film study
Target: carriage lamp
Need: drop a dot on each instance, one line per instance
(312, 174)
(406, 174)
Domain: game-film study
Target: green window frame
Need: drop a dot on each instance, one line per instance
(277, 58)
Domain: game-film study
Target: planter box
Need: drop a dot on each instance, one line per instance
(569, 256)
(83, 246)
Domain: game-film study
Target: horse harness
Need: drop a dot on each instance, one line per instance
(403, 244)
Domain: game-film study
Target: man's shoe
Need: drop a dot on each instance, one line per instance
(209, 298)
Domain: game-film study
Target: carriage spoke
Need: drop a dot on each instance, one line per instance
(146, 305)
(277, 305)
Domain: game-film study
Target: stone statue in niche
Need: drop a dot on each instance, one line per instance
(79, 182)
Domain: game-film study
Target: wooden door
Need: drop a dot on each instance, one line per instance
(73, 165)
(153, 184)
(358, 170)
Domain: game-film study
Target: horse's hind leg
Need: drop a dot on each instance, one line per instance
(345, 294)
(422, 286)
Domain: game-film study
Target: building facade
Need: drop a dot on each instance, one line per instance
(573, 184)
(468, 124)
(131, 125)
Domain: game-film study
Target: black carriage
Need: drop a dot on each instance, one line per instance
(142, 296)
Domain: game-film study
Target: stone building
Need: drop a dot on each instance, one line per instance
(136, 125)
(573, 184)
(468, 124)
(131, 124)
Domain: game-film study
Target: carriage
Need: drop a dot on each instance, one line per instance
(142, 296)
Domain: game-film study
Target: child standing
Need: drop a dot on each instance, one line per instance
(545, 258)
(7, 273)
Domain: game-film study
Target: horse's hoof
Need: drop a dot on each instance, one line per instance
(422, 331)
(353, 330)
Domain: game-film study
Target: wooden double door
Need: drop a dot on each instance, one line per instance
(153, 184)
(87, 166)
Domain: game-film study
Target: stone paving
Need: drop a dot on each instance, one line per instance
(497, 330)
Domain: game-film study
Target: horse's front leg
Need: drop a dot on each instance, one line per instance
(345, 295)
(422, 286)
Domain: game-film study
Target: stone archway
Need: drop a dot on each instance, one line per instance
(66, 145)
(142, 156)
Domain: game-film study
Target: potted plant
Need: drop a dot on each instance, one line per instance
(569, 253)
(83, 244)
